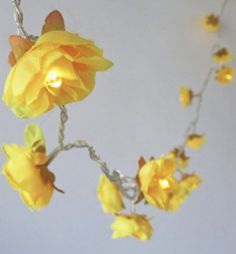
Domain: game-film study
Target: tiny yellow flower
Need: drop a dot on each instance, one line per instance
(26, 169)
(191, 181)
(211, 23)
(57, 69)
(225, 75)
(109, 195)
(222, 56)
(185, 96)
(134, 225)
(195, 141)
(156, 181)
(185, 186)
(182, 161)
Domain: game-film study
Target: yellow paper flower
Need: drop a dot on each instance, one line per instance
(211, 23)
(156, 181)
(222, 56)
(182, 161)
(161, 188)
(225, 75)
(132, 225)
(185, 186)
(59, 68)
(195, 141)
(109, 195)
(26, 169)
(185, 96)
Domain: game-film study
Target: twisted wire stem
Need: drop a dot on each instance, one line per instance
(127, 185)
(223, 8)
(63, 119)
(19, 19)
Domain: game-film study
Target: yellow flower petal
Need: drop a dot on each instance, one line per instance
(109, 195)
(195, 141)
(60, 38)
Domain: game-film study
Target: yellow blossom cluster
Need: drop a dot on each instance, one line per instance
(159, 187)
(224, 74)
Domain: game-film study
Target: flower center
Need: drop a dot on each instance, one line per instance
(164, 183)
(53, 79)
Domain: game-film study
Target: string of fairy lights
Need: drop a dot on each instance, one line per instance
(72, 62)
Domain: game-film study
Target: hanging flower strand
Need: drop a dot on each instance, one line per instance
(58, 68)
(223, 75)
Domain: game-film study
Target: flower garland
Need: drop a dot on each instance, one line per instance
(58, 68)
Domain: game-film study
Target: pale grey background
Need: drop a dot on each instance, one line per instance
(156, 45)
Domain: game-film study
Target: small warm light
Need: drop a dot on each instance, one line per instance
(225, 75)
(164, 183)
(53, 80)
(229, 77)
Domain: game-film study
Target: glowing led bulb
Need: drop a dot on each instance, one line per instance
(164, 183)
(229, 77)
(53, 80)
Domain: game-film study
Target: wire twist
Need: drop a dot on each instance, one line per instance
(19, 19)
(63, 119)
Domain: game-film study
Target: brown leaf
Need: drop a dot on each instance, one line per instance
(11, 59)
(139, 199)
(141, 162)
(53, 22)
(19, 46)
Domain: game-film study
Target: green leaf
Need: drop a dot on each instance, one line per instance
(34, 138)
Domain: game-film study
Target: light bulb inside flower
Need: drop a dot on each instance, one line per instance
(229, 77)
(53, 79)
(164, 183)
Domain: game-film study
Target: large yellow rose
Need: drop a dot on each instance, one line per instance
(57, 69)
(26, 169)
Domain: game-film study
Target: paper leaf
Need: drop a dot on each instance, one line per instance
(54, 22)
(141, 162)
(11, 59)
(19, 46)
(34, 138)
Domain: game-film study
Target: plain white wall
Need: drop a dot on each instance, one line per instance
(156, 46)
